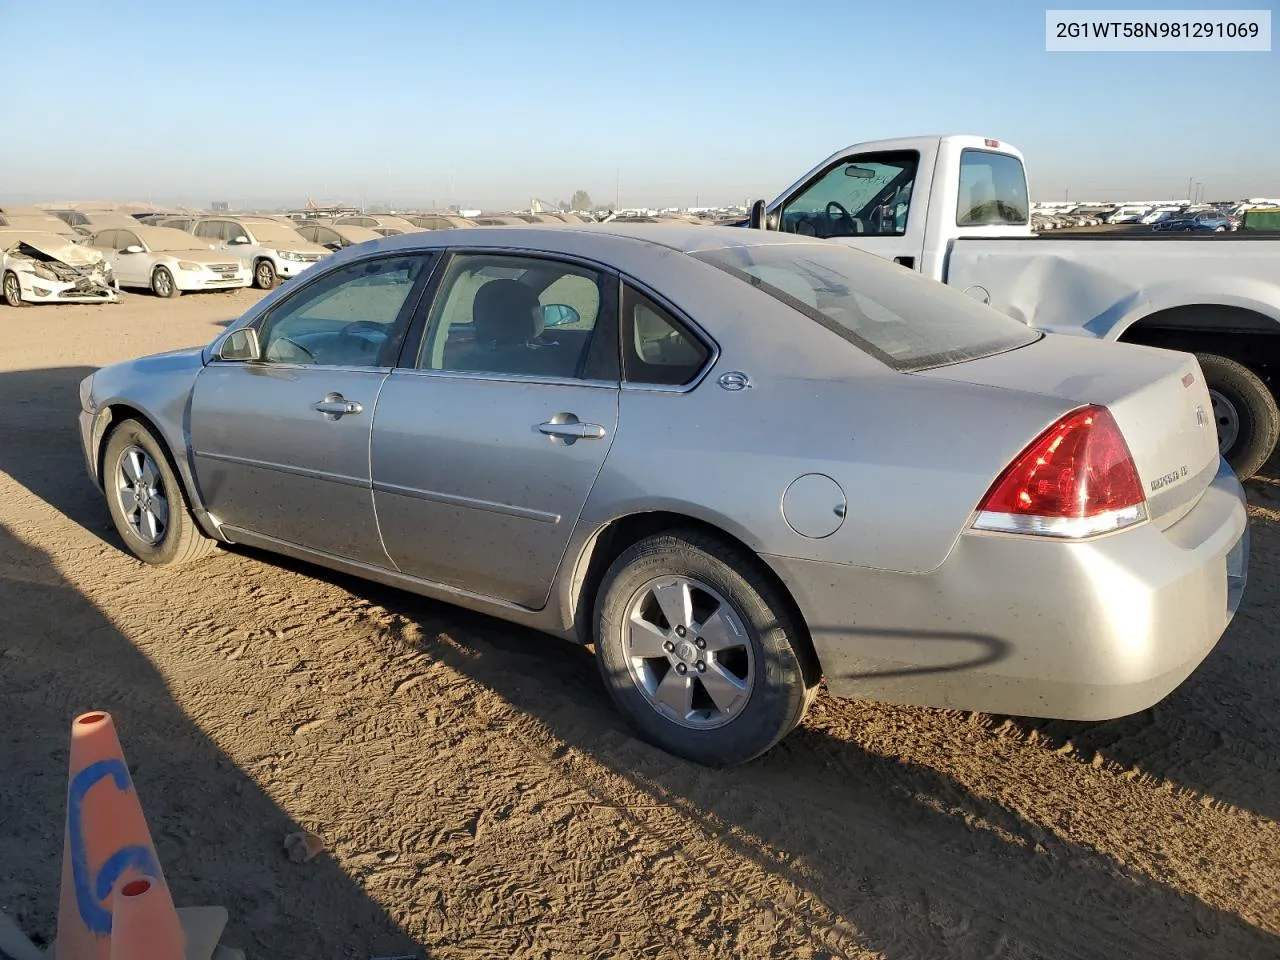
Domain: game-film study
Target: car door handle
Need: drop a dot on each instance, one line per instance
(569, 428)
(335, 405)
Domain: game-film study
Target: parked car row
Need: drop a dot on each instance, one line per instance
(1172, 216)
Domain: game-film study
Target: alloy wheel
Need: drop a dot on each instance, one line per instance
(142, 496)
(688, 652)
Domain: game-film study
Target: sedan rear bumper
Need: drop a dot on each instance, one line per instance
(1015, 625)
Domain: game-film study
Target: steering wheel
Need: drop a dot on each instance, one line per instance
(843, 214)
(357, 325)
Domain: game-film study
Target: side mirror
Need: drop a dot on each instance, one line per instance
(559, 315)
(757, 221)
(241, 344)
(241, 239)
(132, 248)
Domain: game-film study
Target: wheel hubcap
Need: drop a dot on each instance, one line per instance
(1227, 420)
(11, 290)
(162, 283)
(688, 652)
(142, 496)
(264, 274)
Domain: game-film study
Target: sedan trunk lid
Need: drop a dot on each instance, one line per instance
(1157, 397)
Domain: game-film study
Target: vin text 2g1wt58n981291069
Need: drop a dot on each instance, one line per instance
(956, 209)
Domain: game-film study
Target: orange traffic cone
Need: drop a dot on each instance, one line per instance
(106, 842)
(144, 924)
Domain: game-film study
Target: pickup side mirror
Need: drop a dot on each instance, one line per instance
(757, 221)
(241, 345)
(132, 248)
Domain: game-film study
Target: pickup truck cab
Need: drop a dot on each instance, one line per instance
(957, 209)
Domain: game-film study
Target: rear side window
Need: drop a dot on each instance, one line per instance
(900, 317)
(993, 190)
(656, 347)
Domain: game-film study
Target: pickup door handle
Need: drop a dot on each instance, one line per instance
(335, 405)
(567, 427)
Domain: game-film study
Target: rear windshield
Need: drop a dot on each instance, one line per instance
(898, 316)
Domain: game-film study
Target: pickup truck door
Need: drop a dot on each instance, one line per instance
(875, 201)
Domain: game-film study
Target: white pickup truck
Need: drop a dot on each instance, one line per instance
(956, 208)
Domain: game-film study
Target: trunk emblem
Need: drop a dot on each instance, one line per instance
(1202, 419)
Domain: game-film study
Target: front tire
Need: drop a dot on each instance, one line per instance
(264, 275)
(13, 290)
(146, 500)
(699, 650)
(1244, 411)
(163, 285)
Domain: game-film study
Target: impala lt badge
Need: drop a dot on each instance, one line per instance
(1168, 478)
(1202, 418)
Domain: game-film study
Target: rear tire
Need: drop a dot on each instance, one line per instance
(743, 685)
(163, 285)
(147, 503)
(264, 275)
(1243, 406)
(13, 290)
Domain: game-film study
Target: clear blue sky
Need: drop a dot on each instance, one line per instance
(492, 102)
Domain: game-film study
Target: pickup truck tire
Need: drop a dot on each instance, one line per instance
(1243, 404)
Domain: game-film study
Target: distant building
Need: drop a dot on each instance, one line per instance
(220, 206)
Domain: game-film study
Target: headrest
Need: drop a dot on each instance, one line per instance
(506, 312)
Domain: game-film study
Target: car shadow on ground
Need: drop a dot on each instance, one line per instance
(917, 863)
(60, 656)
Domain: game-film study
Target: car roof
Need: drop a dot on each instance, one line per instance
(570, 238)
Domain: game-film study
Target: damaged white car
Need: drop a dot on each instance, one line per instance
(40, 267)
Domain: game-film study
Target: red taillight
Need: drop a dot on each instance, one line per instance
(1077, 479)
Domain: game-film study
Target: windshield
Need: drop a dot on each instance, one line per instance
(898, 316)
(161, 239)
(273, 232)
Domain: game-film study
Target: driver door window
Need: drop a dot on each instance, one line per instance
(353, 317)
(864, 195)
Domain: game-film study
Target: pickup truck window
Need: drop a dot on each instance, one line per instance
(901, 318)
(869, 194)
(993, 190)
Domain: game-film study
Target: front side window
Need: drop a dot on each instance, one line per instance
(106, 240)
(208, 230)
(866, 194)
(656, 347)
(900, 317)
(352, 317)
(993, 190)
(516, 316)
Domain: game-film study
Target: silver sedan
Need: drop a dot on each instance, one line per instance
(735, 462)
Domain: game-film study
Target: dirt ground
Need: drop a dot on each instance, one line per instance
(479, 797)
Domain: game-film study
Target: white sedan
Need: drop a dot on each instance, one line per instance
(167, 261)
